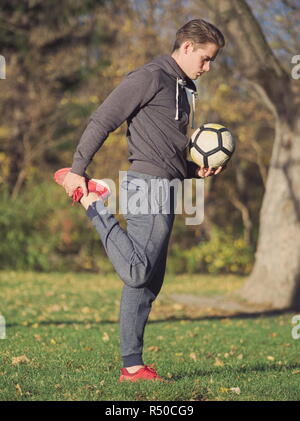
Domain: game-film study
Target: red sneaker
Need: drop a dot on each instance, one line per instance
(144, 373)
(93, 185)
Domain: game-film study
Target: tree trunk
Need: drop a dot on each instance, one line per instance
(275, 279)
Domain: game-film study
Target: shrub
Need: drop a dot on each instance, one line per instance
(41, 231)
(221, 253)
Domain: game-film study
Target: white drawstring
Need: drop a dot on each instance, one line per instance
(177, 98)
(194, 96)
(182, 82)
(193, 108)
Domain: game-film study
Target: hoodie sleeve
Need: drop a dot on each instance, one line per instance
(134, 92)
(191, 169)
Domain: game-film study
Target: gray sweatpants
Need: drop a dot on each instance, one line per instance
(139, 254)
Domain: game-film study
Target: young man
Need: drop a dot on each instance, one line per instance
(154, 101)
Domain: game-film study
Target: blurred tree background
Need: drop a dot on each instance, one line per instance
(63, 58)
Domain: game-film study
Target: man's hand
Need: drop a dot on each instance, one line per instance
(206, 172)
(72, 181)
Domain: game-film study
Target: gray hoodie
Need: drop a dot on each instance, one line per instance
(154, 102)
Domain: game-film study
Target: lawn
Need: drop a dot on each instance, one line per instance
(62, 343)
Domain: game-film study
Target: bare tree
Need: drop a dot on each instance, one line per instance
(275, 279)
(48, 47)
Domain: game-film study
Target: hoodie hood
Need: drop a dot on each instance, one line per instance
(170, 66)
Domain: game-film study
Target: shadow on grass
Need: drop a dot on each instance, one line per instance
(172, 319)
(246, 369)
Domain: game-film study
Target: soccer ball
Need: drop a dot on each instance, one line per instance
(211, 145)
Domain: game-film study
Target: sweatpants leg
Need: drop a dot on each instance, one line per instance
(135, 308)
(138, 256)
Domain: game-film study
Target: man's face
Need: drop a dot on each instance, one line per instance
(196, 59)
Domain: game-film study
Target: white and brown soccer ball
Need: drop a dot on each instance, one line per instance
(211, 145)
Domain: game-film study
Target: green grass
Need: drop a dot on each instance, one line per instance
(62, 343)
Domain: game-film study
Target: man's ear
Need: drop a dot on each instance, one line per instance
(187, 45)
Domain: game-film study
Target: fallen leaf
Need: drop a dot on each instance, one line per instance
(18, 389)
(193, 356)
(270, 358)
(218, 362)
(86, 310)
(240, 357)
(105, 337)
(236, 390)
(22, 359)
(153, 348)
